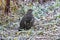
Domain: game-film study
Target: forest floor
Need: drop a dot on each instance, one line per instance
(47, 24)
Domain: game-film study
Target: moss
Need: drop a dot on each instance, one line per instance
(51, 8)
(58, 16)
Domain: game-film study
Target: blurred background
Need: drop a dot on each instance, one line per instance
(46, 14)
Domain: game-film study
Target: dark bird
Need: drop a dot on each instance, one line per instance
(27, 21)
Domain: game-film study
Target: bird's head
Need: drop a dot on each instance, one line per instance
(29, 11)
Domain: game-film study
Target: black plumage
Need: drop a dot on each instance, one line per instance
(27, 21)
